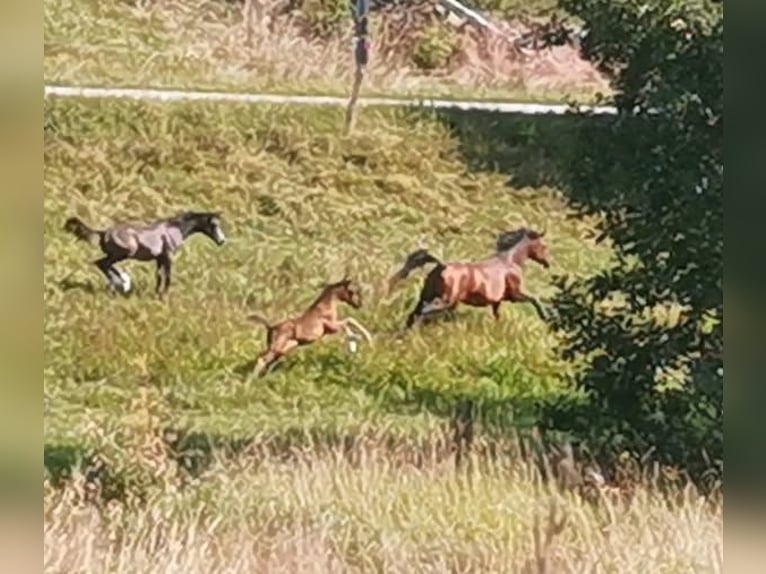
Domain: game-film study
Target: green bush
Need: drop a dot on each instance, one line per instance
(326, 18)
(656, 376)
(515, 8)
(434, 47)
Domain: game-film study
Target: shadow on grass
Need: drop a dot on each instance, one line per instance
(534, 151)
(195, 453)
(60, 460)
(75, 285)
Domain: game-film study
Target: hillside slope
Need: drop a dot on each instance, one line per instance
(300, 205)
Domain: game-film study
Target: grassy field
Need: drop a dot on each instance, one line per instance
(279, 491)
(301, 205)
(204, 44)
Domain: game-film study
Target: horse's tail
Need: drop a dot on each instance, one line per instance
(414, 260)
(265, 322)
(260, 319)
(77, 227)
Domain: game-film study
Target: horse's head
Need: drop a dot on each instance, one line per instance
(207, 223)
(537, 250)
(524, 243)
(349, 292)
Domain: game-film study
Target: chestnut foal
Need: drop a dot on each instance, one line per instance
(320, 319)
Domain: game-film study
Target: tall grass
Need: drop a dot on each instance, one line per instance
(325, 513)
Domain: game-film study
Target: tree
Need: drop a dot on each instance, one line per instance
(655, 371)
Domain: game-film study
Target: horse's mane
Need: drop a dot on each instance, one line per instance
(186, 219)
(329, 287)
(189, 215)
(509, 239)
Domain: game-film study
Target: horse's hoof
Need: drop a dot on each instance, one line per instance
(125, 284)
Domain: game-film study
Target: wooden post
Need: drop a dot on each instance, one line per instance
(361, 57)
(248, 17)
(462, 429)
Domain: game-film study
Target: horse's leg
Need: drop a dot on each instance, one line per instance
(437, 312)
(105, 266)
(429, 310)
(113, 276)
(350, 321)
(168, 266)
(123, 277)
(163, 272)
(159, 273)
(435, 309)
(496, 310)
(413, 317)
(524, 298)
(264, 361)
(270, 356)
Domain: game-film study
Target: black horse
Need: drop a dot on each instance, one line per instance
(154, 242)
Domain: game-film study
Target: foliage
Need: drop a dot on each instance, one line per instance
(515, 9)
(326, 18)
(434, 47)
(652, 325)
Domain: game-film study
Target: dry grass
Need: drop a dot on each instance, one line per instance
(323, 513)
(203, 44)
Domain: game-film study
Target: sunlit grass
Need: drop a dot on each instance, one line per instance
(301, 206)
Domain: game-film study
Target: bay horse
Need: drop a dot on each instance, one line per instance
(320, 319)
(154, 242)
(485, 283)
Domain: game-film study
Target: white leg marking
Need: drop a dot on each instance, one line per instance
(115, 282)
(353, 343)
(125, 280)
(433, 306)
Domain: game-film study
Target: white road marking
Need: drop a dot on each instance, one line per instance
(164, 95)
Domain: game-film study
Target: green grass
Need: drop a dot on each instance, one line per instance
(301, 204)
(201, 45)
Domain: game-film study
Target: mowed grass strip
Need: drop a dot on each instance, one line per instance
(301, 204)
